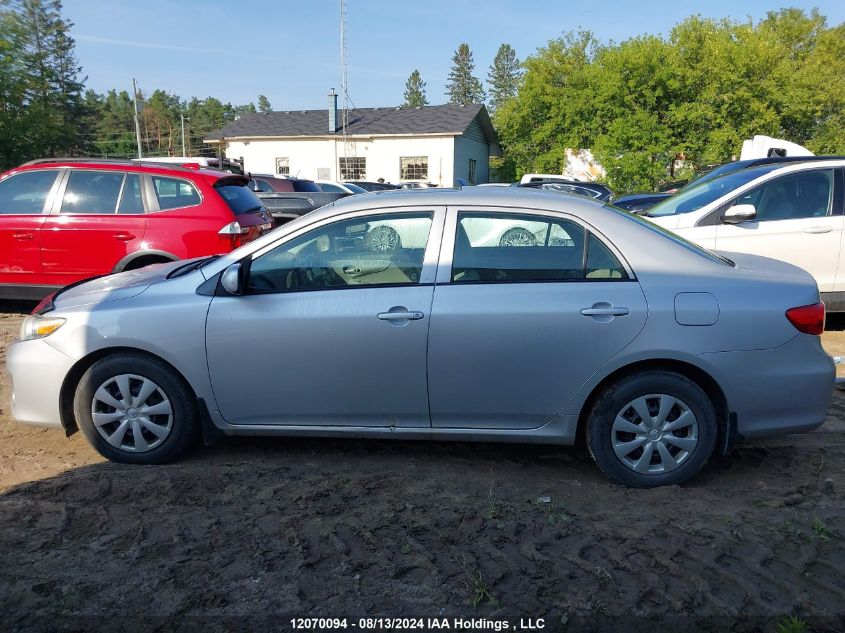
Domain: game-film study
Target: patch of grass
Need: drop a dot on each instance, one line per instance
(792, 624)
(556, 515)
(406, 548)
(605, 578)
(495, 509)
(479, 591)
(823, 532)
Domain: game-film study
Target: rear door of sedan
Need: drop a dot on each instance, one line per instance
(527, 306)
(333, 328)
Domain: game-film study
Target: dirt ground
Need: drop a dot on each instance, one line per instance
(250, 533)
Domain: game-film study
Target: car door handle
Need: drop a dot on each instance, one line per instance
(608, 311)
(408, 315)
(818, 229)
(123, 237)
(23, 236)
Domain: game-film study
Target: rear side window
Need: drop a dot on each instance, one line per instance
(94, 192)
(174, 193)
(240, 199)
(305, 185)
(507, 248)
(601, 262)
(27, 192)
(130, 199)
(523, 248)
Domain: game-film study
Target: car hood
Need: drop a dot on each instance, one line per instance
(113, 287)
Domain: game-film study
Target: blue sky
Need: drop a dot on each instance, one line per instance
(289, 50)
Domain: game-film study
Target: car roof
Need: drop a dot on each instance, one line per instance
(208, 174)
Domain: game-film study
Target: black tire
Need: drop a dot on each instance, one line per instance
(183, 420)
(599, 431)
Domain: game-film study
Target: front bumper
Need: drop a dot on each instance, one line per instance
(37, 372)
(776, 391)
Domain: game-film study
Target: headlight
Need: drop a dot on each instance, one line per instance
(39, 326)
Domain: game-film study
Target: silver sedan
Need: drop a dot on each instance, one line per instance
(488, 314)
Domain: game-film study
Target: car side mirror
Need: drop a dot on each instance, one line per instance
(231, 280)
(739, 213)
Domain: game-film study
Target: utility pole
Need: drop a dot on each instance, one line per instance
(137, 124)
(183, 133)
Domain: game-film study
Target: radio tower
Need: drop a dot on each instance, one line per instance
(344, 83)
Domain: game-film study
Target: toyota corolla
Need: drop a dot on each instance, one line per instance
(657, 352)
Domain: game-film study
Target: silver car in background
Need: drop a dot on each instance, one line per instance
(594, 323)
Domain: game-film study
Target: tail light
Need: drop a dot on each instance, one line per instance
(233, 233)
(807, 319)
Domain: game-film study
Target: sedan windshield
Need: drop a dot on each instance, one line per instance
(704, 193)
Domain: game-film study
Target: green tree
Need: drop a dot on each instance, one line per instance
(462, 86)
(41, 88)
(649, 104)
(415, 91)
(503, 77)
(264, 104)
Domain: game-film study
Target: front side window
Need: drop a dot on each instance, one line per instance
(283, 166)
(26, 193)
(806, 194)
(413, 168)
(174, 193)
(94, 192)
(523, 248)
(353, 168)
(372, 251)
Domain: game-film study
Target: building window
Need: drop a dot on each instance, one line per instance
(471, 171)
(283, 166)
(413, 168)
(353, 168)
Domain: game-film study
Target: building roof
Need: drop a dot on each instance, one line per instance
(440, 119)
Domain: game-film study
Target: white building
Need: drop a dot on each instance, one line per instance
(436, 144)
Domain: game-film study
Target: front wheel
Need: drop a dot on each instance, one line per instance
(652, 429)
(135, 409)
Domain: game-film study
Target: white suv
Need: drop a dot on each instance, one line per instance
(793, 213)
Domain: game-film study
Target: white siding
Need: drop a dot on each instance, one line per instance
(308, 155)
(467, 148)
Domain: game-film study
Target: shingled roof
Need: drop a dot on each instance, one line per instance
(441, 119)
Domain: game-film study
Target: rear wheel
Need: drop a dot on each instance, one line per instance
(651, 429)
(135, 409)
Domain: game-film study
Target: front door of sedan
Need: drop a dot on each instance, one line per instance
(528, 308)
(333, 328)
(795, 222)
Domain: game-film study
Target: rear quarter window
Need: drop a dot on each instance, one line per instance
(240, 199)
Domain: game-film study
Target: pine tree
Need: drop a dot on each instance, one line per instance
(264, 105)
(54, 89)
(462, 87)
(503, 77)
(415, 91)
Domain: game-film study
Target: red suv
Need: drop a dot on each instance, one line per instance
(62, 220)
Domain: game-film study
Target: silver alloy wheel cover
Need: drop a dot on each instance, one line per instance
(134, 422)
(655, 434)
(517, 236)
(383, 238)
